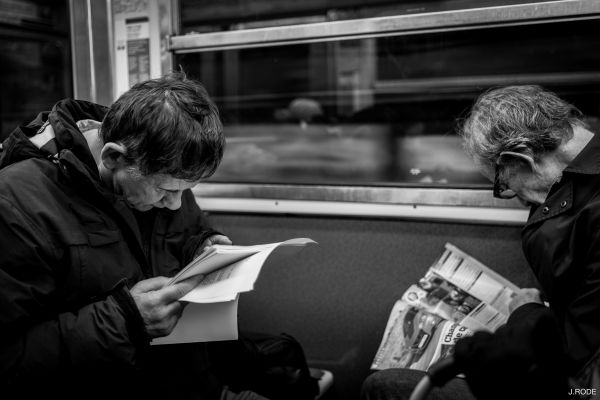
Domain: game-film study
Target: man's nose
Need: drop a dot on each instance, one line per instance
(172, 200)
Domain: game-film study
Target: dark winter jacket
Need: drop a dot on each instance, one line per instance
(562, 243)
(539, 345)
(70, 251)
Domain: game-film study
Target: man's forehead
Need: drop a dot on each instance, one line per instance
(169, 182)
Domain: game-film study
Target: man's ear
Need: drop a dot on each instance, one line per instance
(113, 155)
(507, 158)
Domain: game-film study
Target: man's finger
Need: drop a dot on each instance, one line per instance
(150, 284)
(175, 308)
(178, 290)
(221, 239)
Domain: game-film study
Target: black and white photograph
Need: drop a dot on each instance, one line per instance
(300, 200)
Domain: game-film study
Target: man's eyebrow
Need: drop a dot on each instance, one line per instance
(169, 189)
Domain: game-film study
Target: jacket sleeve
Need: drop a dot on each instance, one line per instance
(199, 230)
(581, 307)
(525, 353)
(41, 333)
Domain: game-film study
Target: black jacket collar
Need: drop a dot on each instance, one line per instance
(560, 198)
(587, 161)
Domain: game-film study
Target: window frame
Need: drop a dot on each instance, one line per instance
(468, 205)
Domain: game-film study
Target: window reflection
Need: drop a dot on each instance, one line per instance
(200, 16)
(35, 63)
(382, 110)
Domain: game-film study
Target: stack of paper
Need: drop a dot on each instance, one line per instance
(229, 271)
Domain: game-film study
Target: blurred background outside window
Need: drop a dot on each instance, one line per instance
(379, 110)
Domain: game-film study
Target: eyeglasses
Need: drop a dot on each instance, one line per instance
(501, 190)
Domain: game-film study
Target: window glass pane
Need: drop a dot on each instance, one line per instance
(382, 110)
(35, 61)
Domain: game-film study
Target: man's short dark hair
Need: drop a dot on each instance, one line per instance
(168, 126)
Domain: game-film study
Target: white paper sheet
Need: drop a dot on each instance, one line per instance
(212, 310)
(204, 323)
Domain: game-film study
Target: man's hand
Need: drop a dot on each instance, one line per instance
(522, 360)
(159, 305)
(524, 296)
(212, 240)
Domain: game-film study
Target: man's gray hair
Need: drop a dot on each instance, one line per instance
(525, 119)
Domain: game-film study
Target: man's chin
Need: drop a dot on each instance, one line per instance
(143, 207)
(527, 203)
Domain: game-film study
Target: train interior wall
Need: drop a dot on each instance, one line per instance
(335, 297)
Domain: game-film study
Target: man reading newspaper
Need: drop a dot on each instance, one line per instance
(452, 311)
(540, 149)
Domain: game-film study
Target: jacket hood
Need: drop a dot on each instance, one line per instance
(63, 118)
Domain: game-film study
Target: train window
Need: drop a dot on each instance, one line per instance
(35, 59)
(382, 110)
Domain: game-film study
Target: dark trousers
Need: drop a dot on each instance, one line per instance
(245, 395)
(398, 384)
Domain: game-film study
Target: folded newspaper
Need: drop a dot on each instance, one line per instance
(457, 296)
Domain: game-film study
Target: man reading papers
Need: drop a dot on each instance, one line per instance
(229, 271)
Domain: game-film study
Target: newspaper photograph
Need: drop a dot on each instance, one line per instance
(415, 338)
(440, 297)
(475, 278)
